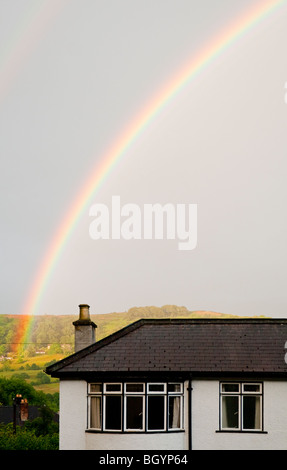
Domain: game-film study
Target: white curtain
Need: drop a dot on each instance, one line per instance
(174, 411)
(258, 413)
(96, 412)
(252, 412)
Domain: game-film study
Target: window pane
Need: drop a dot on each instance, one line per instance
(230, 388)
(156, 387)
(174, 388)
(134, 412)
(95, 388)
(96, 413)
(134, 388)
(113, 412)
(251, 412)
(230, 412)
(251, 388)
(156, 412)
(174, 412)
(113, 387)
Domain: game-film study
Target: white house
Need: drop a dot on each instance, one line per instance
(179, 384)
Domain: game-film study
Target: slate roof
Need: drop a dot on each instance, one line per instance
(184, 346)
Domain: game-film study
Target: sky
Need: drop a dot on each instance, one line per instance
(73, 75)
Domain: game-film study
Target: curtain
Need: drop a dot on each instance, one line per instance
(174, 412)
(258, 413)
(251, 412)
(96, 413)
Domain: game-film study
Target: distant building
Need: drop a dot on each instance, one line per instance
(175, 384)
(21, 412)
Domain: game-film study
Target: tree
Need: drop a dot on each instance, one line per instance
(9, 388)
(43, 378)
(55, 348)
(27, 439)
(30, 351)
(45, 424)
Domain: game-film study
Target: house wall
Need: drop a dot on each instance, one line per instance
(73, 414)
(73, 423)
(205, 419)
(135, 441)
(205, 422)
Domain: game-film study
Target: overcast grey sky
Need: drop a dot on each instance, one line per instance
(73, 75)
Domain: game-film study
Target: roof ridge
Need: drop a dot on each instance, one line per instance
(208, 320)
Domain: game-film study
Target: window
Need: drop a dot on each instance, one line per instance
(96, 406)
(241, 406)
(135, 407)
(96, 412)
(174, 412)
(156, 388)
(134, 413)
(112, 413)
(156, 412)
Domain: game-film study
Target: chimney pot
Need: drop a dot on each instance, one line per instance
(84, 312)
(84, 328)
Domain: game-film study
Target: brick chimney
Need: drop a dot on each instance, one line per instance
(84, 328)
(24, 410)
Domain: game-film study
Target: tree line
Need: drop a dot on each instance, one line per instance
(55, 333)
(42, 433)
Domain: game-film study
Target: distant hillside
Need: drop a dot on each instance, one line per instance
(56, 332)
(111, 322)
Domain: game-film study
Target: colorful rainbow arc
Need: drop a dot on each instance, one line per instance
(136, 128)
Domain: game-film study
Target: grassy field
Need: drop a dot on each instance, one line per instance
(29, 368)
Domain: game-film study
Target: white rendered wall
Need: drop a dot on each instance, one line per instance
(205, 423)
(136, 441)
(73, 414)
(73, 425)
(205, 419)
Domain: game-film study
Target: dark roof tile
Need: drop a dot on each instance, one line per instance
(194, 346)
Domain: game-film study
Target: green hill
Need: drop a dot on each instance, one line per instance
(55, 333)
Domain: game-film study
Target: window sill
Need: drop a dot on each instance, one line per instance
(97, 431)
(239, 431)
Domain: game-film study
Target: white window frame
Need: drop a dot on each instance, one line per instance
(105, 396)
(176, 392)
(174, 395)
(145, 393)
(150, 395)
(134, 395)
(240, 396)
(133, 392)
(156, 392)
(138, 394)
(112, 392)
(91, 397)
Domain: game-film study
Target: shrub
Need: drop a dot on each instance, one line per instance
(26, 439)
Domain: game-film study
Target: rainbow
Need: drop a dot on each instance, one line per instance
(216, 46)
